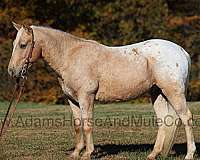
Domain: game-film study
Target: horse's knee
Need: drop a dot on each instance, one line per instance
(77, 125)
(87, 128)
(186, 118)
(87, 125)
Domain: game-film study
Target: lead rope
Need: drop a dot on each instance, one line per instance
(12, 106)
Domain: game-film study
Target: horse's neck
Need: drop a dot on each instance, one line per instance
(55, 46)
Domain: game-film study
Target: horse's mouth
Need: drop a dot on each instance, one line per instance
(15, 73)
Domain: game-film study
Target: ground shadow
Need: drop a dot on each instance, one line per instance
(114, 149)
(181, 149)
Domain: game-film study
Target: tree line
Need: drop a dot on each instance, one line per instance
(113, 22)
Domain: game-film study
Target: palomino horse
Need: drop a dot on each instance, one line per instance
(88, 70)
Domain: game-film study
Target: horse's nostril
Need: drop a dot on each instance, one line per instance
(10, 71)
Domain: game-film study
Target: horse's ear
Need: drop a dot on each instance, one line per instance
(28, 29)
(17, 26)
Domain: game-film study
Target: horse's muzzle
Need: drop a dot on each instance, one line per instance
(12, 72)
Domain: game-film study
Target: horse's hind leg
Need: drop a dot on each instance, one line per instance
(167, 128)
(177, 98)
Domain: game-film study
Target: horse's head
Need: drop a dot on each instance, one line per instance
(22, 46)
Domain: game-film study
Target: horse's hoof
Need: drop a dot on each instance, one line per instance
(151, 157)
(73, 156)
(189, 157)
(86, 156)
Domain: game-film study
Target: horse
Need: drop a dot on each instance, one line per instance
(89, 71)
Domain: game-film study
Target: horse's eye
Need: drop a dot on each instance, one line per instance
(23, 46)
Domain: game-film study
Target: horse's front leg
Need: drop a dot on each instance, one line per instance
(78, 131)
(86, 102)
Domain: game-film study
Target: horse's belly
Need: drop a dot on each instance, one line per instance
(116, 91)
(123, 77)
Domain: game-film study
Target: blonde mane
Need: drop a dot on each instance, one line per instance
(63, 34)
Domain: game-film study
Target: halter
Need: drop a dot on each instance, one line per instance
(24, 70)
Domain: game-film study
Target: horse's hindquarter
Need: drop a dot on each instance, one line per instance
(122, 76)
(168, 60)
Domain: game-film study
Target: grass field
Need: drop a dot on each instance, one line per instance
(121, 131)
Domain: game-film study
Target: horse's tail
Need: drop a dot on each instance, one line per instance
(189, 69)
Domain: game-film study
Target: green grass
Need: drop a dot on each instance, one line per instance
(40, 141)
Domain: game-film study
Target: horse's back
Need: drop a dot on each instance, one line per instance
(161, 54)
